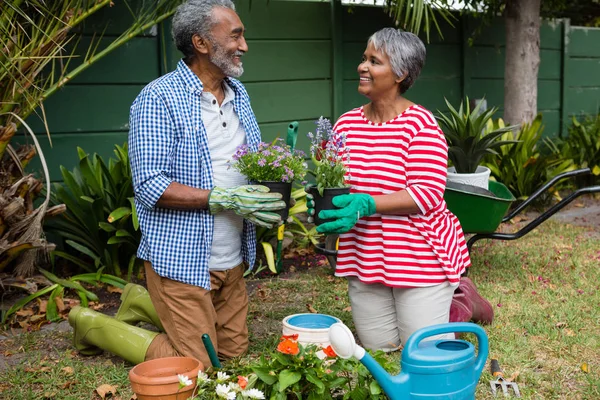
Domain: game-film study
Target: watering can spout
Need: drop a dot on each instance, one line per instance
(396, 387)
(344, 345)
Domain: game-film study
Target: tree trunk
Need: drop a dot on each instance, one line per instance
(522, 62)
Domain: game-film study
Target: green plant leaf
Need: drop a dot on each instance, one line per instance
(24, 301)
(317, 382)
(106, 227)
(124, 233)
(264, 375)
(119, 213)
(89, 175)
(136, 223)
(73, 259)
(82, 249)
(288, 378)
(374, 388)
(270, 256)
(131, 266)
(68, 283)
(120, 239)
(282, 358)
(52, 308)
(83, 297)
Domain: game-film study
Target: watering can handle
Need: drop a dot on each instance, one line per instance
(413, 341)
(292, 135)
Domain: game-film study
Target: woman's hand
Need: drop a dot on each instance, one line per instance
(351, 207)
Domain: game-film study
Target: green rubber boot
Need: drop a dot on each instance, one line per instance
(136, 306)
(94, 332)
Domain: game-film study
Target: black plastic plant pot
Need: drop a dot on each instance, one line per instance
(285, 188)
(325, 202)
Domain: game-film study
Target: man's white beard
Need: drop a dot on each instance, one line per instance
(224, 60)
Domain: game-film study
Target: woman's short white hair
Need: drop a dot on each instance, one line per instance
(405, 51)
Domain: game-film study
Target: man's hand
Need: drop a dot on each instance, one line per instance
(252, 202)
(351, 207)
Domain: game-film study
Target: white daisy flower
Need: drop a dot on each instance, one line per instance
(202, 377)
(184, 381)
(224, 392)
(222, 376)
(253, 394)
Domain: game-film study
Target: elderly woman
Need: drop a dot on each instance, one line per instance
(401, 249)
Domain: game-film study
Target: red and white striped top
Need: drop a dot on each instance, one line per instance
(407, 153)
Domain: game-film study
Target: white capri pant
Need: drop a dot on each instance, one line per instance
(385, 317)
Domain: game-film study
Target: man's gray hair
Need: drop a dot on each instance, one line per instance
(195, 17)
(405, 51)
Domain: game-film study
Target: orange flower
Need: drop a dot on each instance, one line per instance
(293, 337)
(288, 346)
(242, 381)
(329, 352)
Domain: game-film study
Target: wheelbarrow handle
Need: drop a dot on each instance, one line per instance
(538, 192)
(536, 222)
(319, 249)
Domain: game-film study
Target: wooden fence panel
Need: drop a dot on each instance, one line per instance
(581, 82)
(291, 75)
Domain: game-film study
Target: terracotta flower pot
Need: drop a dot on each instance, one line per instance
(157, 379)
(285, 188)
(325, 202)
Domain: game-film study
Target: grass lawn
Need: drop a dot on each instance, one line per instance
(544, 288)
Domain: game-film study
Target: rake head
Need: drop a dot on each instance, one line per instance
(505, 386)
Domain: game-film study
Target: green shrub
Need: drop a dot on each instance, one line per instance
(529, 163)
(470, 135)
(100, 225)
(583, 144)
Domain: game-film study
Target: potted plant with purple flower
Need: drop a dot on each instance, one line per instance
(328, 153)
(274, 165)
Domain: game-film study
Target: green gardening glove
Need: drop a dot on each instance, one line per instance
(351, 207)
(252, 202)
(310, 204)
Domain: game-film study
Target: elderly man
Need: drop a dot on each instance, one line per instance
(195, 214)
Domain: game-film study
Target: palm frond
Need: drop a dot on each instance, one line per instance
(417, 15)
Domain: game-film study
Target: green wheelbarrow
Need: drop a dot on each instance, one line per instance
(481, 211)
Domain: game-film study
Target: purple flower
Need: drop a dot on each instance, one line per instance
(262, 162)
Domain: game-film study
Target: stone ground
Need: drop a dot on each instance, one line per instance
(52, 338)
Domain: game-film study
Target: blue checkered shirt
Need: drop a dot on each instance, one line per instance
(168, 143)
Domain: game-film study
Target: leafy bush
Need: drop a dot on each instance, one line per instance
(583, 144)
(100, 225)
(294, 371)
(529, 163)
(468, 139)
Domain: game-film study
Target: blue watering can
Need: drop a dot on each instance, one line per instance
(431, 369)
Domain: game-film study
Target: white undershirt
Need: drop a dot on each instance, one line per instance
(225, 134)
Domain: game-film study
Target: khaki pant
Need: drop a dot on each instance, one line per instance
(385, 317)
(187, 312)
